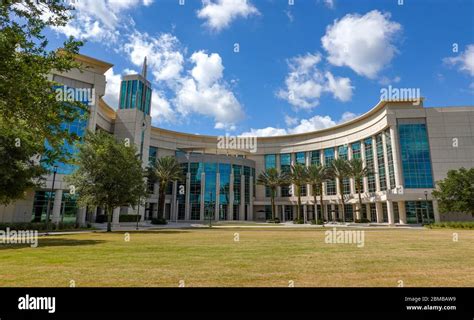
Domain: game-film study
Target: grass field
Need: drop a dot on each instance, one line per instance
(262, 257)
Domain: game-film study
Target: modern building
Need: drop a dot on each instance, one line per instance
(408, 147)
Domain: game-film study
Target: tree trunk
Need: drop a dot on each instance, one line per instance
(109, 220)
(161, 202)
(360, 201)
(321, 200)
(299, 203)
(341, 188)
(273, 205)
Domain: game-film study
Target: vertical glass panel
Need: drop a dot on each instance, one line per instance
(415, 155)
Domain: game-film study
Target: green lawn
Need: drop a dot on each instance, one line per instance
(262, 257)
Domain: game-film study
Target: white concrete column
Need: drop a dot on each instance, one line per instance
(305, 213)
(376, 163)
(242, 198)
(391, 218)
(402, 213)
(187, 206)
(385, 158)
(116, 216)
(81, 216)
(358, 211)
(365, 181)
(379, 210)
(368, 213)
(58, 197)
(436, 211)
(396, 156)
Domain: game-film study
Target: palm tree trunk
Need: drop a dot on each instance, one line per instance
(109, 219)
(360, 200)
(341, 188)
(273, 205)
(315, 207)
(299, 203)
(161, 201)
(321, 202)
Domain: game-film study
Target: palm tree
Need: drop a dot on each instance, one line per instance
(340, 170)
(358, 171)
(317, 174)
(298, 177)
(272, 179)
(164, 170)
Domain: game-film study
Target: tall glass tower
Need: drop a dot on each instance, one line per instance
(135, 91)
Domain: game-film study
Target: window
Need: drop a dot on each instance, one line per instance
(330, 184)
(285, 166)
(415, 154)
(391, 172)
(270, 161)
(152, 155)
(419, 211)
(381, 162)
(356, 151)
(316, 157)
(301, 159)
(369, 162)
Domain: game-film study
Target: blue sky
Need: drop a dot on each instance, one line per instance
(298, 68)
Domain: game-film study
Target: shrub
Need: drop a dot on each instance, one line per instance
(159, 221)
(300, 221)
(41, 226)
(362, 220)
(452, 224)
(319, 221)
(276, 220)
(129, 218)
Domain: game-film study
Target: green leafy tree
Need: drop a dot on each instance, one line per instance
(298, 177)
(272, 179)
(358, 171)
(30, 114)
(163, 171)
(109, 174)
(455, 193)
(317, 175)
(340, 170)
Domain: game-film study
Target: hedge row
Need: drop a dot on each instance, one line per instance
(452, 225)
(41, 226)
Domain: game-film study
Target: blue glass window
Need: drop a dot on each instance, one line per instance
(415, 155)
(316, 157)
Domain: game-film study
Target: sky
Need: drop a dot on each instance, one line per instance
(276, 67)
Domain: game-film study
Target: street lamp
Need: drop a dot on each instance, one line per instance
(55, 170)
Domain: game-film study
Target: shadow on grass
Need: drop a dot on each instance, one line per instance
(51, 242)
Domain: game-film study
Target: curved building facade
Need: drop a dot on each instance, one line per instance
(407, 146)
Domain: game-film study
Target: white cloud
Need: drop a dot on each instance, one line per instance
(362, 43)
(465, 61)
(385, 81)
(329, 3)
(290, 121)
(305, 83)
(220, 13)
(305, 125)
(99, 20)
(205, 92)
(161, 110)
(164, 57)
(112, 89)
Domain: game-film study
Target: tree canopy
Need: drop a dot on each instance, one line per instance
(456, 192)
